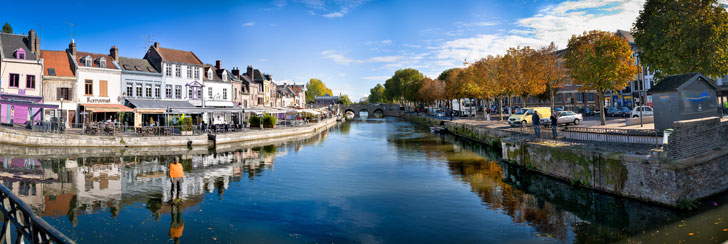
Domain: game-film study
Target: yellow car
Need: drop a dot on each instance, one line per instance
(523, 117)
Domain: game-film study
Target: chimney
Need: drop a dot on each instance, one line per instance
(250, 72)
(156, 44)
(72, 48)
(218, 64)
(114, 53)
(34, 42)
(236, 72)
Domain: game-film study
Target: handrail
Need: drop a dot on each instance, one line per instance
(28, 225)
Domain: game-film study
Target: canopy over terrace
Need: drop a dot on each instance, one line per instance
(229, 115)
(147, 110)
(104, 111)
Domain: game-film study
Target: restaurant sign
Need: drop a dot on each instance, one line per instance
(98, 100)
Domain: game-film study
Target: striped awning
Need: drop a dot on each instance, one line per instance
(106, 108)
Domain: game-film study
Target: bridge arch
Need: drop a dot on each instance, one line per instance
(378, 113)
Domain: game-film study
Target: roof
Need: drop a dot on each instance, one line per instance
(673, 82)
(178, 56)
(216, 74)
(162, 104)
(95, 59)
(136, 64)
(58, 61)
(627, 35)
(12, 42)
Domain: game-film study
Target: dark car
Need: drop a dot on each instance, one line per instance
(612, 112)
(586, 111)
(624, 111)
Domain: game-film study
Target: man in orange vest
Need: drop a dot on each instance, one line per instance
(177, 225)
(176, 176)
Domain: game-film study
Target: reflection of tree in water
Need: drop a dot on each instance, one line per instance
(344, 127)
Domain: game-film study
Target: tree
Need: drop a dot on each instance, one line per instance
(316, 87)
(7, 28)
(682, 36)
(377, 94)
(344, 99)
(553, 71)
(521, 68)
(403, 85)
(486, 76)
(600, 61)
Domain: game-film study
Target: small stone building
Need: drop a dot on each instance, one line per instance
(683, 97)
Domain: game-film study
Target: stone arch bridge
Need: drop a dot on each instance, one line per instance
(371, 109)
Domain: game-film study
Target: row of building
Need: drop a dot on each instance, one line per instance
(76, 86)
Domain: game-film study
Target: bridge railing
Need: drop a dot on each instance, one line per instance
(28, 226)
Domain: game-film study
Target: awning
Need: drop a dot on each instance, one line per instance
(106, 108)
(157, 104)
(196, 110)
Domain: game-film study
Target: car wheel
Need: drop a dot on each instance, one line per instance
(524, 123)
(576, 121)
(636, 116)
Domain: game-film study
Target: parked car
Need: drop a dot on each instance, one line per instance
(558, 109)
(523, 117)
(646, 111)
(586, 111)
(612, 112)
(624, 111)
(568, 117)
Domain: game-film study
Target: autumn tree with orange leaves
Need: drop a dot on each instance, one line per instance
(552, 69)
(600, 61)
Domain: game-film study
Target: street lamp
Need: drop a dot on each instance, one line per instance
(62, 122)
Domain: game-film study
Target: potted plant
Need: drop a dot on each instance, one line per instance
(254, 121)
(269, 121)
(186, 126)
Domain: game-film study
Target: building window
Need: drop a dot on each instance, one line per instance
(177, 71)
(189, 72)
(189, 92)
(168, 69)
(20, 53)
(199, 92)
(63, 93)
(102, 63)
(209, 92)
(149, 91)
(129, 89)
(168, 92)
(591, 97)
(158, 91)
(197, 73)
(14, 80)
(139, 90)
(88, 88)
(30, 81)
(87, 61)
(224, 93)
(178, 91)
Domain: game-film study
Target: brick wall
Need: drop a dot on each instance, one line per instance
(696, 137)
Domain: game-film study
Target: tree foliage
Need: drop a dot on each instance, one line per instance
(7, 28)
(403, 85)
(682, 36)
(431, 90)
(554, 73)
(377, 94)
(344, 99)
(600, 61)
(316, 87)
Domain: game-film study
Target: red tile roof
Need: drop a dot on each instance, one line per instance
(94, 59)
(179, 56)
(57, 60)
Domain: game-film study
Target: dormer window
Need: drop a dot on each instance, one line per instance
(20, 53)
(102, 63)
(87, 61)
(209, 74)
(224, 76)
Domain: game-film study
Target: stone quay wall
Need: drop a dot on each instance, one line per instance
(42, 139)
(647, 178)
(695, 137)
(274, 133)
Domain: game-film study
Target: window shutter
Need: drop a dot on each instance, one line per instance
(59, 93)
(103, 92)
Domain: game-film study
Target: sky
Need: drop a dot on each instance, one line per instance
(351, 45)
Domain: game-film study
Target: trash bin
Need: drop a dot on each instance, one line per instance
(666, 136)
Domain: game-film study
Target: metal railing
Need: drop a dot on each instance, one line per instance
(617, 139)
(28, 225)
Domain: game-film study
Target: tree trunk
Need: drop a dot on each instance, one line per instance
(601, 107)
(552, 100)
(523, 100)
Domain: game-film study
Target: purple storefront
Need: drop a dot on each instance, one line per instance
(19, 109)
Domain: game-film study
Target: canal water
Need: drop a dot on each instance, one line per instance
(365, 181)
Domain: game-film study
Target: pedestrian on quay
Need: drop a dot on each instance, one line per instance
(554, 124)
(536, 123)
(176, 176)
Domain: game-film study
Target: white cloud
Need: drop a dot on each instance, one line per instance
(334, 9)
(280, 3)
(249, 24)
(478, 24)
(379, 43)
(334, 15)
(340, 58)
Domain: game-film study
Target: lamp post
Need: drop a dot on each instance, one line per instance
(62, 121)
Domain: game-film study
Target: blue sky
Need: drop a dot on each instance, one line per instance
(349, 44)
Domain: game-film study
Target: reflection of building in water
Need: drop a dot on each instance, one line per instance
(23, 178)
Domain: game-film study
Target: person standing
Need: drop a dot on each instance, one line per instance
(536, 123)
(176, 176)
(554, 124)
